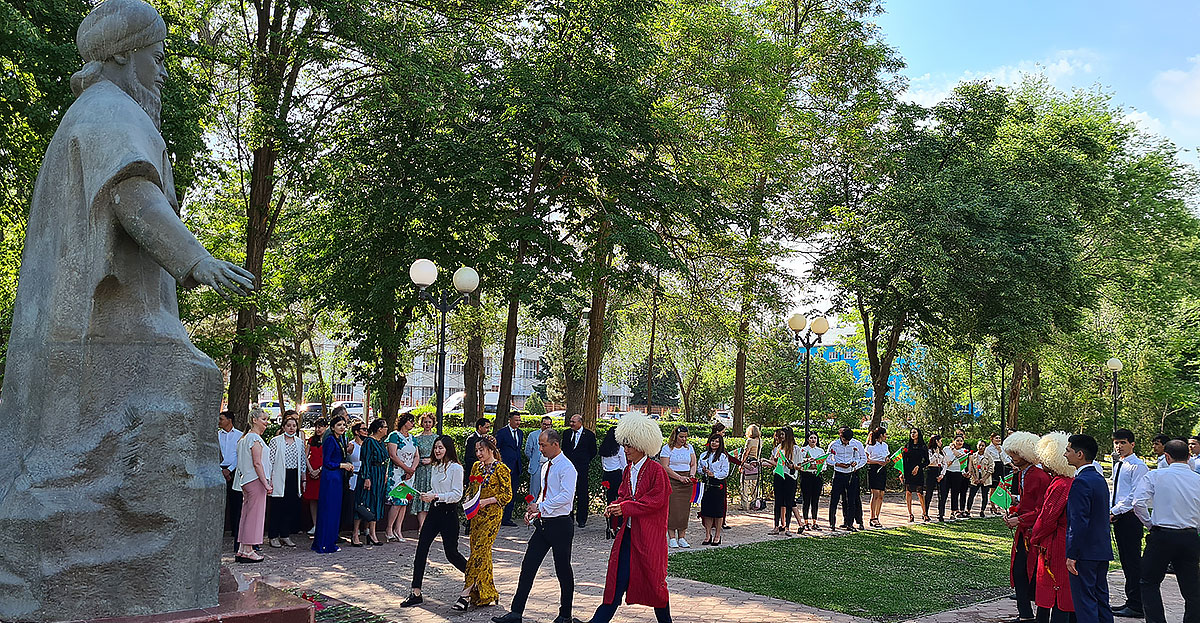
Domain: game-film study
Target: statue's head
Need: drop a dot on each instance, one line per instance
(122, 41)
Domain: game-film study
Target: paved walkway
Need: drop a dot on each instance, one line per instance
(378, 578)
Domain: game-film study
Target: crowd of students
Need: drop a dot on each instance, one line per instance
(346, 483)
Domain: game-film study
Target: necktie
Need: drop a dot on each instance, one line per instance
(545, 482)
(1116, 475)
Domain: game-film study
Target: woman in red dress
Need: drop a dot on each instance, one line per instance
(312, 474)
(1049, 538)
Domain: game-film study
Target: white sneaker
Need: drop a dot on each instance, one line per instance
(312, 531)
(276, 543)
(287, 540)
(683, 543)
(672, 543)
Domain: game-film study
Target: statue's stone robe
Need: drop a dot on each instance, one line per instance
(111, 494)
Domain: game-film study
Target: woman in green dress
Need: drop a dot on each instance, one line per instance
(491, 479)
(423, 479)
(371, 487)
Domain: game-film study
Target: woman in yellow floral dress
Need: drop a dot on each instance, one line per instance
(493, 477)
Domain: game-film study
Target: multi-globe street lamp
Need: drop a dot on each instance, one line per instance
(816, 328)
(423, 273)
(1114, 365)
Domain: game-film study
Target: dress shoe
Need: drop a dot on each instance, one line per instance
(276, 543)
(287, 541)
(511, 617)
(411, 600)
(1126, 611)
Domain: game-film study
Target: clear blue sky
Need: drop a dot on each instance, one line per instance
(1147, 56)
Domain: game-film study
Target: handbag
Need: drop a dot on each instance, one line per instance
(364, 512)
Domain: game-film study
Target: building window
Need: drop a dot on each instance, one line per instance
(529, 368)
(531, 341)
(488, 367)
(424, 394)
(343, 391)
(614, 401)
(428, 363)
(455, 364)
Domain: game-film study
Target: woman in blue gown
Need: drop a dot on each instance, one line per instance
(329, 504)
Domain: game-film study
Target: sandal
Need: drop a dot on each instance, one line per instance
(777, 530)
(242, 558)
(875, 523)
(462, 604)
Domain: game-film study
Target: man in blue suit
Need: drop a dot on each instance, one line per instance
(510, 441)
(1089, 543)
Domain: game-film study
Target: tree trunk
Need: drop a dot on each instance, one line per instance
(574, 367)
(1014, 391)
(880, 362)
(1035, 381)
(320, 377)
(298, 368)
(277, 374)
(473, 371)
(393, 379)
(602, 259)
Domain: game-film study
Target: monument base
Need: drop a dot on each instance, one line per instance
(240, 600)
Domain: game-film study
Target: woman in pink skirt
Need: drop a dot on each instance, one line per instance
(253, 479)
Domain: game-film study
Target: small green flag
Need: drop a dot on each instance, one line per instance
(897, 460)
(781, 470)
(1002, 498)
(402, 491)
(964, 461)
(814, 465)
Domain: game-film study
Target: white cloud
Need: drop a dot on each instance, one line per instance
(1179, 89)
(1062, 69)
(1146, 122)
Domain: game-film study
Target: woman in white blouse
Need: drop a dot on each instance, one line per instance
(253, 479)
(287, 456)
(680, 460)
(951, 479)
(445, 493)
(877, 464)
(791, 455)
(933, 473)
(714, 465)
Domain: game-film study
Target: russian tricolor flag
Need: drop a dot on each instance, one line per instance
(471, 508)
(697, 492)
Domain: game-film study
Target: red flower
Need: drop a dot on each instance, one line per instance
(408, 497)
(606, 484)
(528, 499)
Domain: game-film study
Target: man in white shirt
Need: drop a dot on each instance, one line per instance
(1128, 471)
(1194, 450)
(1174, 494)
(1156, 445)
(227, 439)
(550, 515)
(533, 452)
(847, 455)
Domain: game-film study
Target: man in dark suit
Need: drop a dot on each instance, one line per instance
(1089, 542)
(579, 444)
(511, 441)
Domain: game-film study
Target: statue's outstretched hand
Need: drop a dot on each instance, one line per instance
(227, 279)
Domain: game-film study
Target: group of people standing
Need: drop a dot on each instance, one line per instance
(1065, 517)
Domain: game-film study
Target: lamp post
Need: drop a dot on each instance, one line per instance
(1114, 365)
(812, 337)
(423, 273)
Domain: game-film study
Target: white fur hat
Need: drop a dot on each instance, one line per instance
(640, 432)
(1023, 444)
(1050, 452)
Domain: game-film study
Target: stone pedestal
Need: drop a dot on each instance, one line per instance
(240, 601)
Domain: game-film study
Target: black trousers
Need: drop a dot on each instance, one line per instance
(963, 484)
(582, 495)
(442, 519)
(846, 488)
(1181, 549)
(233, 510)
(554, 534)
(785, 500)
(285, 511)
(949, 485)
(1128, 532)
(810, 491)
(514, 470)
(1023, 585)
(605, 612)
(972, 490)
(931, 484)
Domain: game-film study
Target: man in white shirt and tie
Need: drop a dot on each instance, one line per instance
(1174, 494)
(1128, 471)
(847, 455)
(550, 515)
(227, 439)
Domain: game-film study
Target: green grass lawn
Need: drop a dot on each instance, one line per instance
(886, 575)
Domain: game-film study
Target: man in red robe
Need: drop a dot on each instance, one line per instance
(637, 566)
(1049, 536)
(1029, 488)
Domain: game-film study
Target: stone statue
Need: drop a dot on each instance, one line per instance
(111, 496)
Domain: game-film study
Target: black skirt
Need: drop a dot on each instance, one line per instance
(877, 477)
(712, 502)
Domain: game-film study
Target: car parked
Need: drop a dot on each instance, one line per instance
(724, 417)
(353, 408)
(309, 412)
